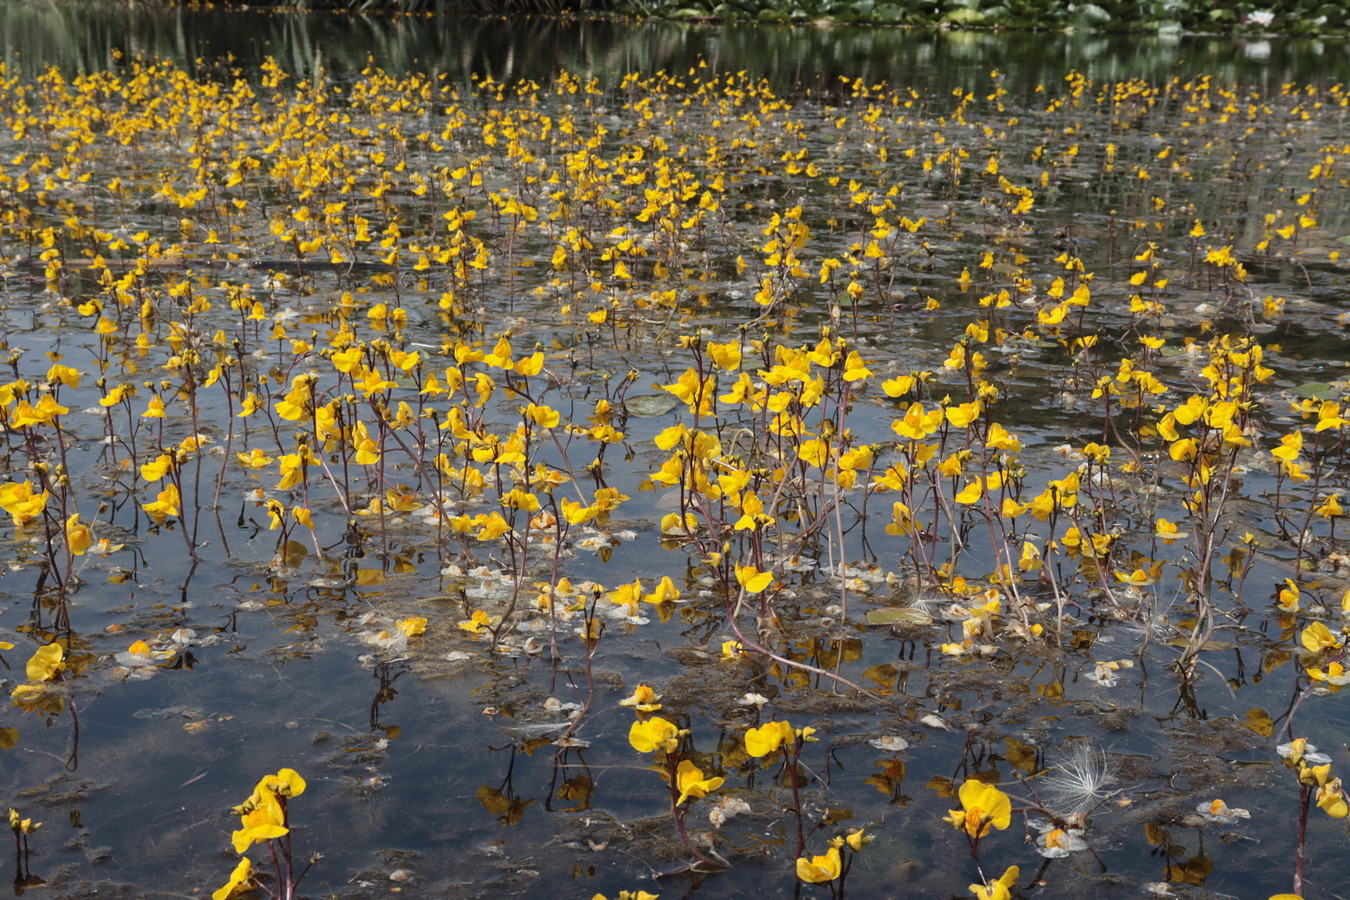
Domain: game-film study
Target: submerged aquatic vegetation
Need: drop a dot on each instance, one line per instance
(955, 425)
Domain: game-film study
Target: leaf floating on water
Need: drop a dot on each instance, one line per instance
(571, 742)
(899, 615)
(1315, 390)
(649, 406)
(892, 743)
(1259, 720)
(935, 721)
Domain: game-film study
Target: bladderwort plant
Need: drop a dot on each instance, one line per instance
(778, 738)
(23, 866)
(1205, 437)
(1315, 784)
(47, 690)
(832, 867)
(265, 818)
(674, 757)
(984, 809)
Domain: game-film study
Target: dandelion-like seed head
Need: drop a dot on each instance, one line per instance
(1080, 781)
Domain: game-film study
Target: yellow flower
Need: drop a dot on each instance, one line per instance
(732, 649)
(820, 869)
(59, 374)
(654, 734)
(1168, 531)
(165, 505)
(1331, 798)
(665, 592)
(19, 501)
(78, 535)
(262, 820)
(479, 622)
(286, 783)
(242, 875)
(997, 890)
(412, 626)
(753, 580)
(1000, 439)
(46, 411)
(1334, 674)
(983, 807)
(1318, 637)
(1330, 508)
(644, 699)
(767, 738)
(46, 662)
(21, 825)
(727, 356)
(691, 783)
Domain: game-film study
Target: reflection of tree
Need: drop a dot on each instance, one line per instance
(80, 36)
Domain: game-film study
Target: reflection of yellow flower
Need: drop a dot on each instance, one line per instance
(820, 869)
(983, 807)
(689, 779)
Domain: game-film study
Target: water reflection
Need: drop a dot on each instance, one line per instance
(83, 36)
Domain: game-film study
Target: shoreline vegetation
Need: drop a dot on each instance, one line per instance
(1264, 17)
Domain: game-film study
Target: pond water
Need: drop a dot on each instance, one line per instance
(423, 387)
